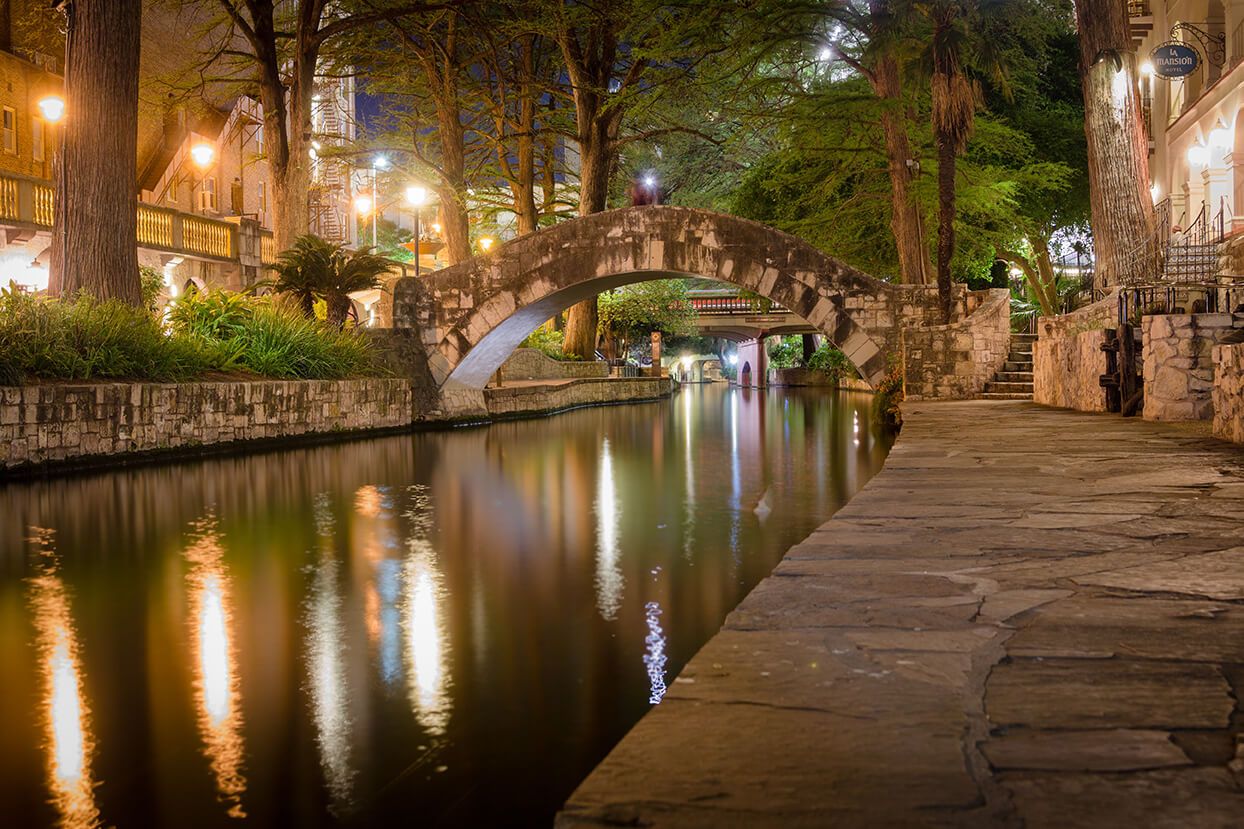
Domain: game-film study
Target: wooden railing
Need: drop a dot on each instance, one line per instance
(29, 202)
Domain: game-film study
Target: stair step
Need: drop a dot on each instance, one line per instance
(1024, 367)
(993, 395)
(1013, 377)
(1009, 388)
(1024, 337)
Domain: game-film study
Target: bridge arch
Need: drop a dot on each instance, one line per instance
(473, 315)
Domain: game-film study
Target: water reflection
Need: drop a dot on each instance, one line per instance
(609, 581)
(654, 653)
(69, 744)
(393, 626)
(426, 649)
(326, 669)
(217, 697)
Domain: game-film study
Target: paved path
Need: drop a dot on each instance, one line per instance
(1030, 617)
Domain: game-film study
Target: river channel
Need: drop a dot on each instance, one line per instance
(439, 629)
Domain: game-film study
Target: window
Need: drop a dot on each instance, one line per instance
(36, 138)
(8, 127)
(263, 200)
(207, 196)
(259, 140)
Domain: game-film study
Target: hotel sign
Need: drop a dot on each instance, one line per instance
(1175, 60)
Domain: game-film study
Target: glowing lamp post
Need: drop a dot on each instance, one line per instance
(416, 197)
(485, 242)
(52, 108)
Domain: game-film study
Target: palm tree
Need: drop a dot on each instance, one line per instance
(316, 269)
(954, 96)
(352, 272)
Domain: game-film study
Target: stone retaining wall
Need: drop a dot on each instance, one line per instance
(1228, 394)
(59, 423)
(533, 364)
(1067, 360)
(518, 401)
(1178, 362)
(954, 362)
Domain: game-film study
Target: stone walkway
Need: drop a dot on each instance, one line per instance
(1031, 617)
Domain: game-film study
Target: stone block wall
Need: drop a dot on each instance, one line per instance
(519, 401)
(533, 364)
(1228, 392)
(1067, 360)
(58, 423)
(1179, 363)
(954, 362)
(1067, 370)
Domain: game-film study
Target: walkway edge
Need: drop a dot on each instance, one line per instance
(999, 629)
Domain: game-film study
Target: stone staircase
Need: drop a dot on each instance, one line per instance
(1014, 381)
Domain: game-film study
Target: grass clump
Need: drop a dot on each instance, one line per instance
(265, 337)
(216, 331)
(86, 339)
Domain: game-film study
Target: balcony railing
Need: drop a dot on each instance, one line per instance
(28, 201)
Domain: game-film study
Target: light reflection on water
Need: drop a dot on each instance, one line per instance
(216, 675)
(69, 744)
(442, 628)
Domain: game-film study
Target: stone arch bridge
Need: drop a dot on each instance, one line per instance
(469, 317)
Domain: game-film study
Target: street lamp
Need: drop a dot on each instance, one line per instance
(416, 197)
(202, 155)
(52, 108)
(363, 205)
(485, 242)
(380, 162)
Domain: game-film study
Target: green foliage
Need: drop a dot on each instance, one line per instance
(152, 280)
(549, 342)
(888, 404)
(786, 352)
(832, 362)
(85, 339)
(635, 311)
(248, 333)
(316, 269)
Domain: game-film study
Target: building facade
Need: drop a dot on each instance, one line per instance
(1196, 137)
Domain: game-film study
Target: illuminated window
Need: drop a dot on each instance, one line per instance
(259, 139)
(263, 200)
(36, 139)
(9, 129)
(207, 196)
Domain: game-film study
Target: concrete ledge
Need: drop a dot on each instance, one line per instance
(542, 398)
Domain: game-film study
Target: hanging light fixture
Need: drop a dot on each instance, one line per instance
(1220, 136)
(1198, 155)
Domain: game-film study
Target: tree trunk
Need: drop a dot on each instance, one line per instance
(95, 248)
(809, 347)
(525, 186)
(945, 223)
(337, 310)
(913, 257)
(594, 157)
(1118, 147)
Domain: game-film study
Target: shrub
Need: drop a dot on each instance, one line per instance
(786, 353)
(256, 334)
(84, 338)
(549, 342)
(832, 362)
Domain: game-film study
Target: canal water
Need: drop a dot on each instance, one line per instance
(436, 629)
